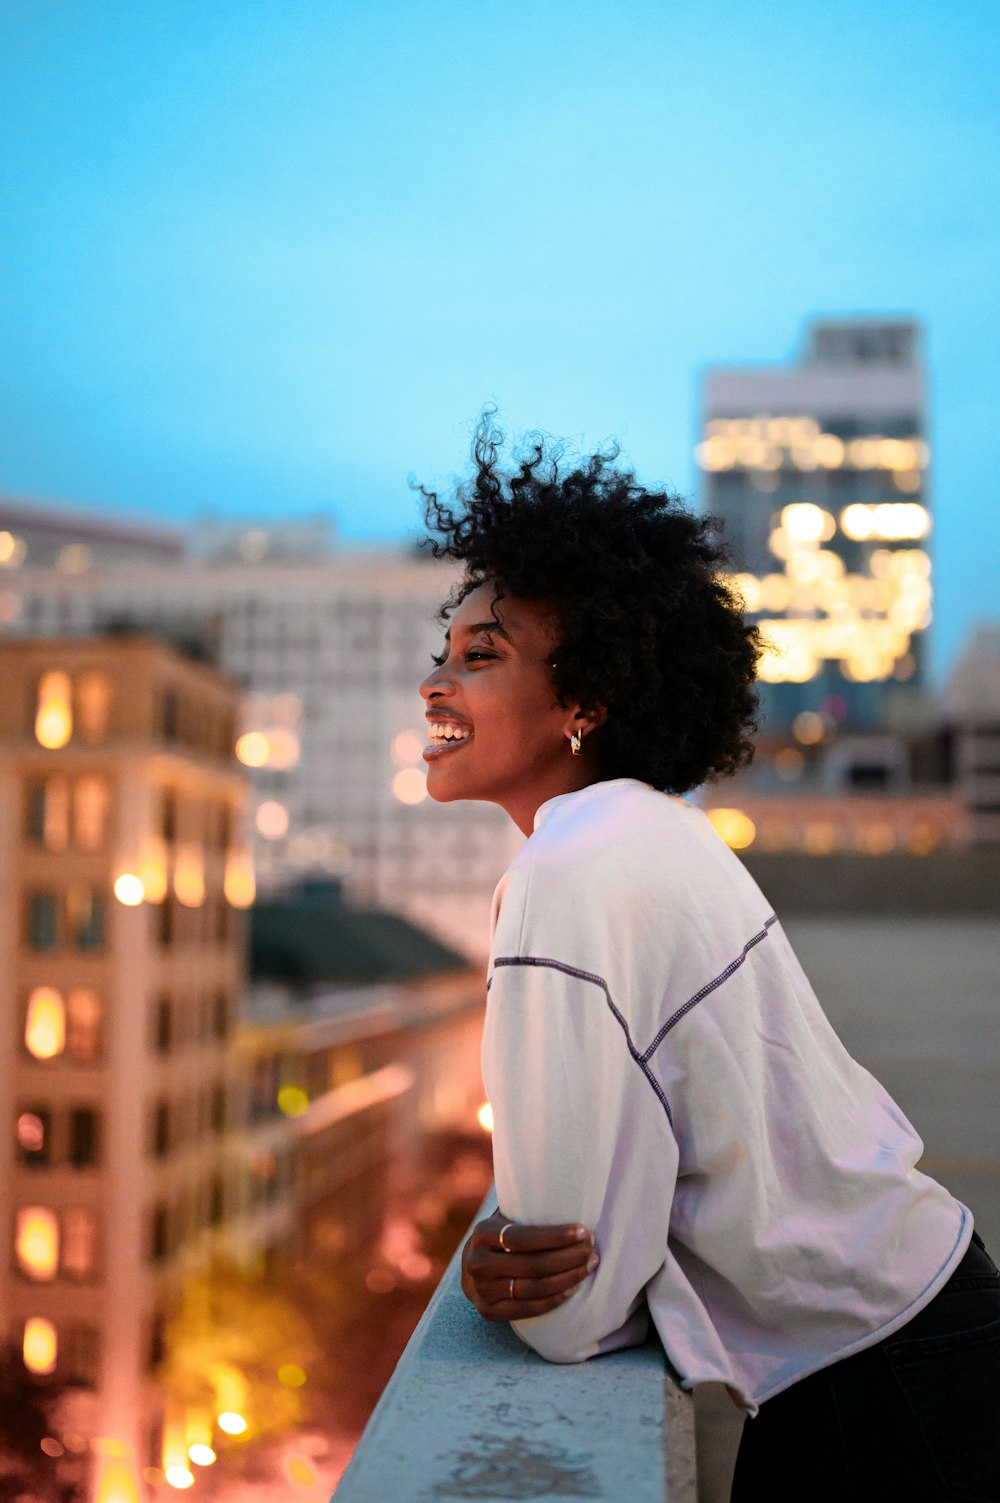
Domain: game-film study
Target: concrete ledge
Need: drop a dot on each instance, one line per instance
(471, 1412)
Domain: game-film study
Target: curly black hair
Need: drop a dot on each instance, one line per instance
(649, 630)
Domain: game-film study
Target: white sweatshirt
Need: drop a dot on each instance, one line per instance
(661, 1071)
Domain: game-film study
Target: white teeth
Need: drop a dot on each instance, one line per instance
(448, 731)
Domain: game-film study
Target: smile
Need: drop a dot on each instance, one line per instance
(445, 736)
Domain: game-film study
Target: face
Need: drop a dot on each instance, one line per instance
(498, 732)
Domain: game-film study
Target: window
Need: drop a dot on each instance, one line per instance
(36, 1242)
(169, 716)
(163, 1026)
(157, 1349)
(79, 1242)
(216, 1202)
(93, 704)
(168, 814)
(39, 1345)
(43, 921)
(53, 710)
(84, 1137)
(81, 1355)
(83, 1036)
(48, 813)
(160, 1143)
(220, 1015)
(45, 1023)
(91, 804)
(159, 1234)
(218, 1112)
(34, 1131)
(85, 917)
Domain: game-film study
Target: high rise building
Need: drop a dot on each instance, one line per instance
(818, 470)
(329, 648)
(122, 873)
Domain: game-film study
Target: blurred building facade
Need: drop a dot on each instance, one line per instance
(122, 874)
(972, 702)
(819, 472)
(329, 648)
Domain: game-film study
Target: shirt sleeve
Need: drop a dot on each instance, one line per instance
(580, 1134)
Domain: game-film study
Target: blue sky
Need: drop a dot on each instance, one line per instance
(273, 257)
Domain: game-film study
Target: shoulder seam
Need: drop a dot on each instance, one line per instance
(699, 996)
(598, 981)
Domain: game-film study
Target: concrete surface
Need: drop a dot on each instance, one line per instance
(472, 1413)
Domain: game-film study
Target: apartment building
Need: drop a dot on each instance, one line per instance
(123, 874)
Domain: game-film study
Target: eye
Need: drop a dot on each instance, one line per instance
(478, 654)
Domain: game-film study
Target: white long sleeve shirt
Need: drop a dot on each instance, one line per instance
(660, 1070)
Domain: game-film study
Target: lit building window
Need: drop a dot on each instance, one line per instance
(12, 550)
(93, 706)
(91, 803)
(40, 1345)
(79, 1242)
(83, 1032)
(43, 921)
(189, 876)
(36, 1242)
(33, 1136)
(53, 711)
(239, 884)
(45, 1023)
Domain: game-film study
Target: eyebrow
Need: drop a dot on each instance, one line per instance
(491, 628)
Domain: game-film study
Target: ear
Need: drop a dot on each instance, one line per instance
(579, 719)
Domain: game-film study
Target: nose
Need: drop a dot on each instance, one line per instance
(436, 684)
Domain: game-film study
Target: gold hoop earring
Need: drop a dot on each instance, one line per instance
(576, 743)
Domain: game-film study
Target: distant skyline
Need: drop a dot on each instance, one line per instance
(267, 258)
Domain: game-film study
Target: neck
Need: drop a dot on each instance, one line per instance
(523, 805)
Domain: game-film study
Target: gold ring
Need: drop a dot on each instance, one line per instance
(512, 1289)
(505, 1228)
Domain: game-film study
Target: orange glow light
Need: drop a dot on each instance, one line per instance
(54, 714)
(189, 877)
(232, 1423)
(736, 828)
(253, 749)
(485, 1116)
(238, 884)
(36, 1242)
(129, 889)
(40, 1346)
(45, 1025)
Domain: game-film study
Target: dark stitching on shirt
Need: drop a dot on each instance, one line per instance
(698, 996)
(568, 970)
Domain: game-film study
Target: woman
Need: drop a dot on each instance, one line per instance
(679, 1135)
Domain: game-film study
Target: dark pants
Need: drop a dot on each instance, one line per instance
(915, 1419)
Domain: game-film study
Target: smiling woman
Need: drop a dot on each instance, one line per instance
(679, 1136)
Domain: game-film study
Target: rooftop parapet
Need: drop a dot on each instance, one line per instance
(471, 1412)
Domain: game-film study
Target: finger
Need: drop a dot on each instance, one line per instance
(497, 1291)
(519, 1309)
(488, 1263)
(520, 1237)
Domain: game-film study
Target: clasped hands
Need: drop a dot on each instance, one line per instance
(535, 1269)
